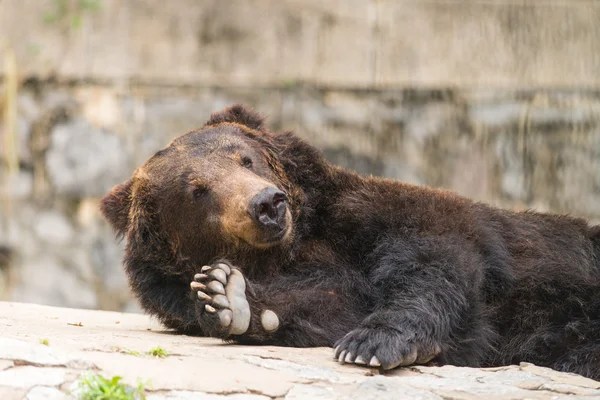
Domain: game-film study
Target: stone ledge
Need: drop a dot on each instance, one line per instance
(84, 340)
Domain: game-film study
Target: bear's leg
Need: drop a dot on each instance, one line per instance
(221, 291)
(165, 297)
(428, 307)
(313, 307)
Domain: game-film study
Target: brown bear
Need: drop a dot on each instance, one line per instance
(239, 233)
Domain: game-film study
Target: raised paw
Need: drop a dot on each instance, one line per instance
(382, 347)
(221, 291)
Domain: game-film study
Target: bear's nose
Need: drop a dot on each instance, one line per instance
(268, 206)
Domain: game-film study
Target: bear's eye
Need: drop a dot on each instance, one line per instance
(198, 192)
(247, 162)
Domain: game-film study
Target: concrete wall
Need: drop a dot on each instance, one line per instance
(497, 100)
(341, 43)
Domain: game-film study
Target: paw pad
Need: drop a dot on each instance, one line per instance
(269, 321)
(223, 289)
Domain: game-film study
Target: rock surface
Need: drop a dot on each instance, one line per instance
(362, 43)
(83, 341)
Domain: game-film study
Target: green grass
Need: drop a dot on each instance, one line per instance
(96, 387)
(45, 342)
(158, 352)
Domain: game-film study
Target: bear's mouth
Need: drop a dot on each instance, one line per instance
(273, 239)
(278, 236)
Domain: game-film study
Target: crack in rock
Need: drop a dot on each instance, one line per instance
(193, 395)
(302, 371)
(38, 355)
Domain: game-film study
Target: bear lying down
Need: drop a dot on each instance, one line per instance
(239, 233)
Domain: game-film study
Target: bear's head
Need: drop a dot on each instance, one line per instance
(212, 190)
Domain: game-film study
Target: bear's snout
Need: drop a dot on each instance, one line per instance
(268, 208)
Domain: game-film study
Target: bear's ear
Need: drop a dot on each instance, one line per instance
(115, 207)
(238, 114)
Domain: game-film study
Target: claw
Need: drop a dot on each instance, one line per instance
(210, 309)
(200, 277)
(374, 362)
(206, 268)
(342, 356)
(348, 358)
(403, 362)
(197, 286)
(203, 296)
(360, 360)
(335, 352)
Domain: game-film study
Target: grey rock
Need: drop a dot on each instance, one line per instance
(521, 379)
(236, 372)
(565, 388)
(84, 160)
(6, 364)
(308, 392)
(302, 371)
(54, 284)
(384, 388)
(10, 393)
(559, 377)
(189, 395)
(497, 115)
(29, 376)
(46, 393)
(38, 354)
(469, 388)
(54, 228)
(18, 186)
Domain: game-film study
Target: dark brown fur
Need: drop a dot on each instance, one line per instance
(392, 263)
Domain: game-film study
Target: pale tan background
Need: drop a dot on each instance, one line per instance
(498, 99)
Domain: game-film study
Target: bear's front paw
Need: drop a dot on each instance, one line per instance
(221, 294)
(382, 347)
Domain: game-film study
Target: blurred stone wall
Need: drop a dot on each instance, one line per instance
(342, 43)
(499, 101)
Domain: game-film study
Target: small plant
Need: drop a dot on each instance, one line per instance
(96, 387)
(45, 342)
(125, 351)
(158, 352)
